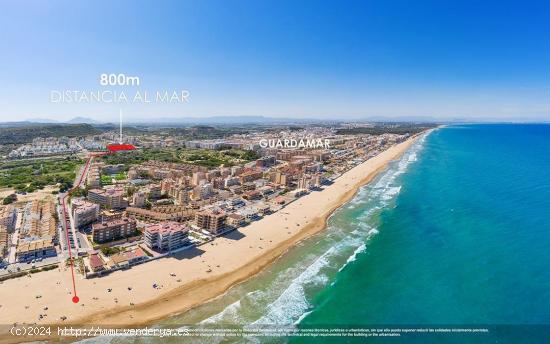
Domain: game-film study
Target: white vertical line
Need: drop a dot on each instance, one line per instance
(120, 113)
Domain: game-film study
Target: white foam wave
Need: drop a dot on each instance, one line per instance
(292, 303)
(231, 312)
(390, 193)
(353, 256)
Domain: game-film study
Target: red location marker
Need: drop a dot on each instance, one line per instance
(120, 147)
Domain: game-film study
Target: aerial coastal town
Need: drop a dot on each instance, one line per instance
(110, 210)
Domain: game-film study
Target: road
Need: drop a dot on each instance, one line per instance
(15, 237)
(71, 241)
(68, 231)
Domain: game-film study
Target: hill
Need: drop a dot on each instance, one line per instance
(25, 133)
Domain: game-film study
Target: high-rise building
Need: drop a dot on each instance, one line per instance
(203, 191)
(138, 199)
(197, 177)
(210, 220)
(166, 236)
(84, 212)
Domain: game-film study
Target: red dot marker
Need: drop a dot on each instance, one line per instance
(75, 299)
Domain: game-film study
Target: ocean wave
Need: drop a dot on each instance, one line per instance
(292, 302)
(291, 305)
(384, 188)
(231, 311)
(390, 193)
(378, 194)
(353, 257)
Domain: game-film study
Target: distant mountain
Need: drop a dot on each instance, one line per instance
(85, 120)
(21, 133)
(228, 120)
(40, 120)
(422, 119)
(182, 121)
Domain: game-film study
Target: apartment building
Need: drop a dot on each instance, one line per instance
(250, 176)
(280, 178)
(197, 178)
(235, 220)
(210, 220)
(266, 161)
(113, 230)
(39, 220)
(93, 180)
(8, 215)
(138, 199)
(203, 191)
(3, 242)
(230, 181)
(84, 212)
(166, 236)
(34, 249)
(111, 198)
(153, 191)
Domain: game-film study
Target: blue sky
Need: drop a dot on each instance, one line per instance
(312, 59)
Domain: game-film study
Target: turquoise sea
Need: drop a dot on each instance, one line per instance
(456, 233)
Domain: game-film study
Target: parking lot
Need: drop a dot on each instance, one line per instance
(17, 267)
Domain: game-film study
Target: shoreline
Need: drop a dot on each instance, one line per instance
(148, 305)
(252, 268)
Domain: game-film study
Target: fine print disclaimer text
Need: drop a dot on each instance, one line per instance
(271, 331)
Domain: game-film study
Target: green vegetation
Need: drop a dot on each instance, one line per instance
(26, 133)
(201, 157)
(12, 275)
(109, 251)
(106, 179)
(388, 128)
(216, 158)
(139, 156)
(69, 261)
(130, 190)
(120, 176)
(9, 199)
(31, 175)
(78, 262)
(49, 267)
(202, 132)
(78, 192)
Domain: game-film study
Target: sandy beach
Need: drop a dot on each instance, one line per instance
(188, 279)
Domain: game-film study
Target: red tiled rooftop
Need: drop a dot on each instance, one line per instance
(137, 253)
(95, 261)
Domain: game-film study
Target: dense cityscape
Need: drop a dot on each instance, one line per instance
(130, 207)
